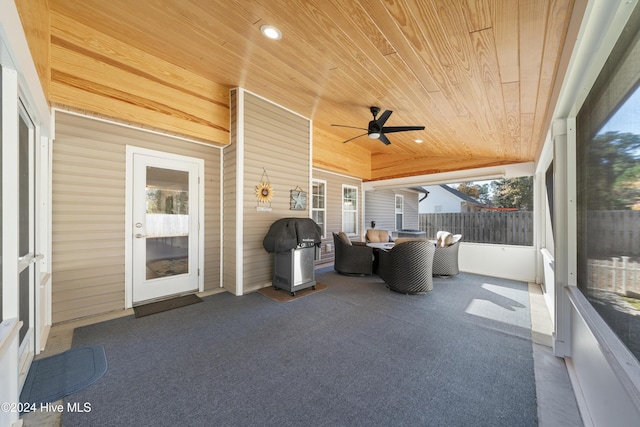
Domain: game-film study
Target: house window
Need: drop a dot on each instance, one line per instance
(350, 210)
(399, 212)
(318, 205)
(608, 196)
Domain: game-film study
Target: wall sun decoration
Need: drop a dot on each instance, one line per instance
(264, 192)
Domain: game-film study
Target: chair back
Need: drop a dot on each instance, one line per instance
(445, 259)
(377, 236)
(407, 268)
(350, 258)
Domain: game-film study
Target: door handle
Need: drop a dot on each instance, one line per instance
(140, 236)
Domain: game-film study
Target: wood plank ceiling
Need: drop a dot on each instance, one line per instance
(479, 74)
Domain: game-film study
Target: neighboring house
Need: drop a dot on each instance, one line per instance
(391, 210)
(442, 198)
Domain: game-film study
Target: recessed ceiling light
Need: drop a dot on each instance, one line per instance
(271, 32)
(418, 141)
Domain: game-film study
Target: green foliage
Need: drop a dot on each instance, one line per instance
(513, 193)
(167, 201)
(504, 193)
(477, 191)
(613, 171)
(470, 189)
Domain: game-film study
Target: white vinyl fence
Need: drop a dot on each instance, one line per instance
(618, 275)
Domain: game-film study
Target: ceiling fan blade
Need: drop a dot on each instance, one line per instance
(384, 139)
(390, 129)
(351, 139)
(383, 118)
(352, 127)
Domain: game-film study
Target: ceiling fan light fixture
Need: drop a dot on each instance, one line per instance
(377, 129)
(271, 32)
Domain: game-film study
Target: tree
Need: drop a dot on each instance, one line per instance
(477, 191)
(470, 189)
(613, 171)
(513, 193)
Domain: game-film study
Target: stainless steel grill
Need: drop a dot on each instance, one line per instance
(295, 245)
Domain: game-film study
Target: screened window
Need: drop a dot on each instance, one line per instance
(608, 194)
(350, 209)
(498, 211)
(318, 204)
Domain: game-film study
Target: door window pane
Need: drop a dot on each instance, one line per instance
(1, 215)
(24, 226)
(23, 183)
(167, 222)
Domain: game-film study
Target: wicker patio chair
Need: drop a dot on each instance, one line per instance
(351, 259)
(445, 259)
(407, 267)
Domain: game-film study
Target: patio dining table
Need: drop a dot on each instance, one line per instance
(377, 247)
(385, 246)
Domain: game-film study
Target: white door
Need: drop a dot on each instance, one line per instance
(165, 219)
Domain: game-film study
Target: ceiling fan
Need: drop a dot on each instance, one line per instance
(377, 129)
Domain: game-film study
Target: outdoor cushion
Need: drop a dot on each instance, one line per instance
(444, 238)
(345, 239)
(377, 236)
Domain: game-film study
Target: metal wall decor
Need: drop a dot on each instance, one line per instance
(298, 201)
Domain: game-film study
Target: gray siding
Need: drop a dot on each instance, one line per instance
(411, 209)
(334, 209)
(380, 207)
(88, 204)
(230, 209)
(275, 141)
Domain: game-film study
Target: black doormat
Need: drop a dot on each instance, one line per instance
(166, 305)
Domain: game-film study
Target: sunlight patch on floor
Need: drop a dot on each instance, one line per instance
(502, 304)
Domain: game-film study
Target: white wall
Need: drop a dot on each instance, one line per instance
(438, 196)
(506, 261)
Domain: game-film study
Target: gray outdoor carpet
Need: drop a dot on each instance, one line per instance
(52, 378)
(355, 354)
